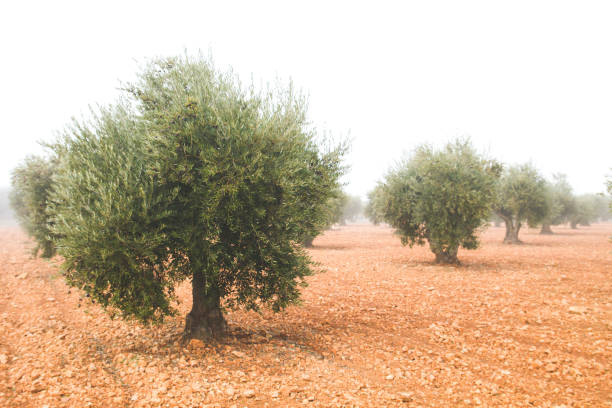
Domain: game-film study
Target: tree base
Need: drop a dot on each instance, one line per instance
(546, 230)
(447, 259)
(211, 325)
(512, 241)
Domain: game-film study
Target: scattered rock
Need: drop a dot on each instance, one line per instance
(389, 377)
(3, 359)
(22, 276)
(405, 396)
(577, 309)
(248, 394)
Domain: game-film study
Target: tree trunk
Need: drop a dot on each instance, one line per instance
(308, 242)
(512, 230)
(445, 255)
(546, 230)
(574, 225)
(205, 319)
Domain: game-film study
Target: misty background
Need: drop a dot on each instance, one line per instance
(525, 80)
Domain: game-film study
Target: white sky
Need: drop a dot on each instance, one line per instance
(527, 80)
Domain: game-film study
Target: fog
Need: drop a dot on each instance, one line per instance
(526, 80)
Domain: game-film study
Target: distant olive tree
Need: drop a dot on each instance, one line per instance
(329, 214)
(521, 197)
(192, 177)
(32, 183)
(442, 197)
(609, 184)
(352, 210)
(561, 203)
(375, 208)
(589, 208)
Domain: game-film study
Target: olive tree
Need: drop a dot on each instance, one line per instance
(561, 203)
(442, 197)
(328, 215)
(589, 208)
(609, 185)
(521, 197)
(374, 209)
(29, 197)
(352, 209)
(192, 177)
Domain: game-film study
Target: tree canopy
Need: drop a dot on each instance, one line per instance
(561, 203)
(29, 197)
(521, 198)
(352, 210)
(192, 177)
(439, 196)
(590, 208)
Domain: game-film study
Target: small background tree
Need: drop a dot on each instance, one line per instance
(375, 208)
(521, 198)
(442, 197)
(589, 208)
(352, 210)
(31, 186)
(328, 215)
(561, 203)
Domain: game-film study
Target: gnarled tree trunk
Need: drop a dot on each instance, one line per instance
(308, 242)
(205, 320)
(512, 231)
(546, 229)
(445, 255)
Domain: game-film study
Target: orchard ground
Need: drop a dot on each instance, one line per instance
(526, 325)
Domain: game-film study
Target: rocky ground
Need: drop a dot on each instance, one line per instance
(527, 325)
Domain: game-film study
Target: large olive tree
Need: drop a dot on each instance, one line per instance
(439, 196)
(521, 198)
(192, 177)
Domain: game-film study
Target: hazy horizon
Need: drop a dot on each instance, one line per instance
(526, 81)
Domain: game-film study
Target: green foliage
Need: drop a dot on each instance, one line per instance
(331, 213)
(110, 218)
(442, 197)
(353, 209)
(195, 178)
(609, 182)
(561, 203)
(32, 183)
(375, 208)
(590, 208)
(522, 197)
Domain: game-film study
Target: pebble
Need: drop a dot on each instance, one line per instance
(577, 309)
(405, 396)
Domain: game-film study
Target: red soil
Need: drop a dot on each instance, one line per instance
(527, 325)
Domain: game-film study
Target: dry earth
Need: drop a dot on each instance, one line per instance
(527, 325)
